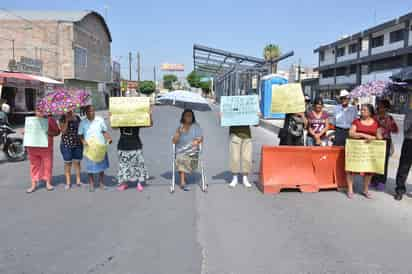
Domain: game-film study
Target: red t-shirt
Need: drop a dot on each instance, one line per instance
(369, 130)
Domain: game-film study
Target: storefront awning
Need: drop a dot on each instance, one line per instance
(16, 76)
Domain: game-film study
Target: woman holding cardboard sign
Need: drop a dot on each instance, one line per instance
(94, 137)
(41, 158)
(365, 128)
(131, 161)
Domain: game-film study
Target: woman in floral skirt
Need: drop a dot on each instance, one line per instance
(131, 161)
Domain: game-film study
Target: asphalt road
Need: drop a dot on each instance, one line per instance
(222, 231)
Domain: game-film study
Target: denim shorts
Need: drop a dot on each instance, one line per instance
(71, 153)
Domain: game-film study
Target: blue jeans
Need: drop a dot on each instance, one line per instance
(71, 153)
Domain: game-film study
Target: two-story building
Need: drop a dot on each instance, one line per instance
(373, 54)
(73, 47)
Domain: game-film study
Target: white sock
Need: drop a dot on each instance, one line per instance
(246, 181)
(234, 180)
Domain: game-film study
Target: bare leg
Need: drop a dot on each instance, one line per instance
(77, 168)
(366, 181)
(349, 178)
(101, 180)
(32, 187)
(91, 181)
(67, 173)
(182, 179)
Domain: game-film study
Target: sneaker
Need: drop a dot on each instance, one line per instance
(246, 182)
(380, 187)
(122, 187)
(139, 187)
(234, 182)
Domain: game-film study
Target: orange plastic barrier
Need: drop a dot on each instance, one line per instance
(308, 169)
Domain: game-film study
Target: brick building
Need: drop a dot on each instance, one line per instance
(70, 46)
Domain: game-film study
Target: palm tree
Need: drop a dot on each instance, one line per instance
(270, 53)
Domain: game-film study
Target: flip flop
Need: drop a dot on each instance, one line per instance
(367, 195)
(31, 190)
(50, 188)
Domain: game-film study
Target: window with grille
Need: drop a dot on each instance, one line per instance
(377, 41)
(80, 57)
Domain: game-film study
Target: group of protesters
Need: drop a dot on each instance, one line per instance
(348, 122)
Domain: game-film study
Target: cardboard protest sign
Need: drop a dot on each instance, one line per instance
(287, 98)
(95, 151)
(239, 110)
(361, 156)
(36, 132)
(129, 111)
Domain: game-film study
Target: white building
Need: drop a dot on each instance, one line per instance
(373, 54)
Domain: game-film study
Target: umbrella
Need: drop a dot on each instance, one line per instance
(62, 101)
(375, 88)
(186, 99)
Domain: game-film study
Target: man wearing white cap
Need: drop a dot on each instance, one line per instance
(344, 114)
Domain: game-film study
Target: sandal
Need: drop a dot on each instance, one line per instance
(31, 190)
(184, 188)
(49, 188)
(350, 195)
(367, 195)
(67, 187)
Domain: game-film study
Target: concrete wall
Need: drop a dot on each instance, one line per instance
(379, 75)
(91, 35)
(387, 46)
(36, 41)
(329, 57)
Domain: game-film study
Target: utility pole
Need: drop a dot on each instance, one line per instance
(138, 67)
(299, 70)
(12, 49)
(154, 74)
(130, 66)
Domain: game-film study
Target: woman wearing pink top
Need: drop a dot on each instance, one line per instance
(41, 158)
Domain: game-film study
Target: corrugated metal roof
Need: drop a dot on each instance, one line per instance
(71, 16)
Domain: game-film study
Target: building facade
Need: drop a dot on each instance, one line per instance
(373, 54)
(70, 46)
(298, 73)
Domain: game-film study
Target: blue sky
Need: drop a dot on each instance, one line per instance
(165, 31)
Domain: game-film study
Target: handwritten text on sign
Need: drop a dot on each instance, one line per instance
(35, 132)
(361, 156)
(129, 111)
(287, 99)
(239, 110)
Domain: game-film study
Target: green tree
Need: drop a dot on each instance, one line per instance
(271, 52)
(168, 80)
(206, 86)
(147, 87)
(193, 79)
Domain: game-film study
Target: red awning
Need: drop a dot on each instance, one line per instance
(16, 75)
